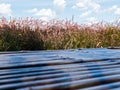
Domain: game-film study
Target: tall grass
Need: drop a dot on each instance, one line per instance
(34, 34)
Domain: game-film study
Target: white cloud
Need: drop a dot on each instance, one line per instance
(34, 10)
(87, 7)
(5, 9)
(117, 11)
(113, 7)
(96, 7)
(87, 4)
(60, 4)
(45, 14)
(85, 14)
(92, 20)
(81, 5)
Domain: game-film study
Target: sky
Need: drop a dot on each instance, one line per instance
(81, 10)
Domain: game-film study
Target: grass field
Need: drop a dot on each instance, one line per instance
(34, 34)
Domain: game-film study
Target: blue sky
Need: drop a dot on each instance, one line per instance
(82, 10)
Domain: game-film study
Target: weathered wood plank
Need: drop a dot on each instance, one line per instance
(49, 70)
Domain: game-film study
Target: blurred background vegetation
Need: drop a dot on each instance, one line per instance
(34, 34)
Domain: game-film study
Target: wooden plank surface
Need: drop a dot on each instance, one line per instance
(60, 70)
